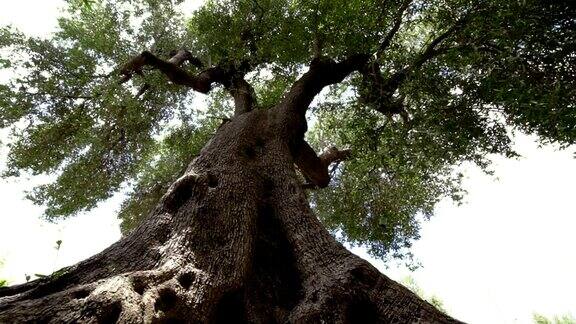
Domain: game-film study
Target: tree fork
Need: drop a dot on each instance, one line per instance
(228, 75)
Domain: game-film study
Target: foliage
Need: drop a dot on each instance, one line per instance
(468, 72)
(3, 282)
(68, 114)
(564, 319)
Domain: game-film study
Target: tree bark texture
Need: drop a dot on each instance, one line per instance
(232, 241)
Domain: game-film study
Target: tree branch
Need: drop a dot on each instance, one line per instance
(322, 72)
(177, 58)
(380, 92)
(181, 56)
(202, 82)
(314, 167)
(243, 94)
(395, 27)
(232, 79)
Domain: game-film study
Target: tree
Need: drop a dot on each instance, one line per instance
(413, 89)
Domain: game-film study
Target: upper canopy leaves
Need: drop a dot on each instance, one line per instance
(444, 82)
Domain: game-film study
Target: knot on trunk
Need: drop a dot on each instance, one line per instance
(179, 192)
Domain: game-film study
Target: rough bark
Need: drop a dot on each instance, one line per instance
(232, 241)
(228, 75)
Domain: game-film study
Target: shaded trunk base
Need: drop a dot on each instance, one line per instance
(232, 241)
(346, 291)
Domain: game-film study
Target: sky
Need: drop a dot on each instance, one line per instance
(508, 252)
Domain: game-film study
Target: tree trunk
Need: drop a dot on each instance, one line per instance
(232, 241)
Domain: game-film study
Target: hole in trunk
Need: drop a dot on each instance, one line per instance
(248, 152)
(79, 294)
(260, 142)
(183, 191)
(231, 309)
(138, 285)
(268, 187)
(361, 311)
(202, 211)
(364, 276)
(110, 313)
(186, 280)
(259, 145)
(166, 300)
(212, 181)
(314, 297)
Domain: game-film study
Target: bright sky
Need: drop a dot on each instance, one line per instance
(508, 252)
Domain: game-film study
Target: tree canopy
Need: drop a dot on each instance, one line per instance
(445, 82)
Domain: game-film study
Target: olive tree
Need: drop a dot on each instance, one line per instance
(253, 137)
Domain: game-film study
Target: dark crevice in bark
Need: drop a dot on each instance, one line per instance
(252, 149)
(80, 294)
(103, 313)
(276, 278)
(231, 309)
(139, 285)
(13, 290)
(364, 276)
(248, 152)
(361, 311)
(110, 314)
(174, 321)
(186, 280)
(180, 193)
(212, 180)
(166, 300)
(49, 287)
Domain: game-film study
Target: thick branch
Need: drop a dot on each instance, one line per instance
(314, 167)
(177, 58)
(230, 78)
(322, 72)
(181, 56)
(243, 94)
(202, 82)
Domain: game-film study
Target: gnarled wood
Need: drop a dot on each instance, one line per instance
(232, 241)
(230, 77)
(314, 167)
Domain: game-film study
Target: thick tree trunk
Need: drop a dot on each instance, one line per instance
(232, 241)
